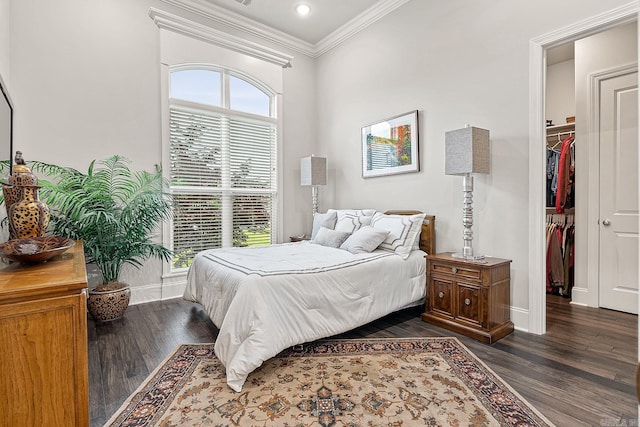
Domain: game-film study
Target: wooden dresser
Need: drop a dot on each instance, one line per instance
(43, 342)
(469, 298)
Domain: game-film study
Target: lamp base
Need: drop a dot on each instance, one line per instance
(479, 259)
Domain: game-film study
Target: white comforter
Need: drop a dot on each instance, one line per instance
(266, 299)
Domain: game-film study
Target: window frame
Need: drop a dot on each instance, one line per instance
(169, 272)
(225, 73)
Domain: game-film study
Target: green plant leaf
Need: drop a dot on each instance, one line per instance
(111, 208)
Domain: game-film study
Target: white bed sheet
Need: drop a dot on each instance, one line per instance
(266, 299)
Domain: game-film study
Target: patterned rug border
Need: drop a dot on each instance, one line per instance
(362, 346)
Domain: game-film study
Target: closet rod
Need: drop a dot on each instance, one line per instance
(556, 135)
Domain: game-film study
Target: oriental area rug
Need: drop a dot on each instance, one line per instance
(366, 382)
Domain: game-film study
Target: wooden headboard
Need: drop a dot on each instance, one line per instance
(428, 234)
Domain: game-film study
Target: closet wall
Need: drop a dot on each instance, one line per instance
(560, 179)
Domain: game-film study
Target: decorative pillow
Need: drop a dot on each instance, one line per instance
(365, 239)
(327, 220)
(352, 219)
(328, 237)
(403, 231)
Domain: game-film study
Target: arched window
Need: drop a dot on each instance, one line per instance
(222, 136)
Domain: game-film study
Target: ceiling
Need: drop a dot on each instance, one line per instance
(326, 16)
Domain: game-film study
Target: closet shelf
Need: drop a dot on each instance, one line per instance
(561, 128)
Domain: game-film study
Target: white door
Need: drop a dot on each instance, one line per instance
(619, 193)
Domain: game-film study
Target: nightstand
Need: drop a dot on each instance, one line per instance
(299, 238)
(469, 298)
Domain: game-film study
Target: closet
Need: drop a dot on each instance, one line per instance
(594, 213)
(560, 203)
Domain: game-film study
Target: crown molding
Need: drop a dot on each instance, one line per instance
(587, 27)
(244, 24)
(181, 25)
(357, 24)
(265, 32)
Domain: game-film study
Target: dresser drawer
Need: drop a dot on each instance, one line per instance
(457, 271)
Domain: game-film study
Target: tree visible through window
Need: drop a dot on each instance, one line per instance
(222, 134)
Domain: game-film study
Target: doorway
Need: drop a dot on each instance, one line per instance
(593, 83)
(537, 158)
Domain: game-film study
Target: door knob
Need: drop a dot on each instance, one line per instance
(606, 222)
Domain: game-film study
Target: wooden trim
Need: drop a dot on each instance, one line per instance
(638, 382)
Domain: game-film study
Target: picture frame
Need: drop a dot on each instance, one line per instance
(391, 146)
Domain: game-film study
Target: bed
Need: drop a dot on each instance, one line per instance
(266, 299)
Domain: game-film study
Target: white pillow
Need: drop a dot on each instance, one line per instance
(366, 239)
(351, 220)
(403, 231)
(331, 238)
(327, 220)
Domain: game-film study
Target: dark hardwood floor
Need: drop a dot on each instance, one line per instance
(582, 372)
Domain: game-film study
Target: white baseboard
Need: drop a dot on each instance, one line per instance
(146, 293)
(157, 292)
(580, 296)
(174, 289)
(520, 319)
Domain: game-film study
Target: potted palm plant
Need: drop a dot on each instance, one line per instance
(114, 211)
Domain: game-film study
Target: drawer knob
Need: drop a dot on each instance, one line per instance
(467, 301)
(454, 270)
(440, 294)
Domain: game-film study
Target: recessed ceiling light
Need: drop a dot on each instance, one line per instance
(303, 9)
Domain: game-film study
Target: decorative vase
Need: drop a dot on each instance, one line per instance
(109, 301)
(13, 192)
(29, 216)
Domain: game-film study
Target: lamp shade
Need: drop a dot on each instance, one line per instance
(467, 151)
(313, 171)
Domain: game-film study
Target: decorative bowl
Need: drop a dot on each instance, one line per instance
(32, 250)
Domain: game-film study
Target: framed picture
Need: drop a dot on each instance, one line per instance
(390, 146)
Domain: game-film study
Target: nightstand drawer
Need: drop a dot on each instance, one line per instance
(465, 272)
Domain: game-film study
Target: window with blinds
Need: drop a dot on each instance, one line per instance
(223, 164)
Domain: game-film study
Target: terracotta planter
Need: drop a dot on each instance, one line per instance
(109, 301)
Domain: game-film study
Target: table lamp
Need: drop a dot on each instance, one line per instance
(466, 152)
(313, 172)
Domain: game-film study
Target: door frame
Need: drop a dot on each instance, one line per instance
(537, 84)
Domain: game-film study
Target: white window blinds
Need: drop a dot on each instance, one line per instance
(223, 178)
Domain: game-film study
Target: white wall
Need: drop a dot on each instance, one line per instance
(86, 84)
(457, 62)
(560, 92)
(4, 40)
